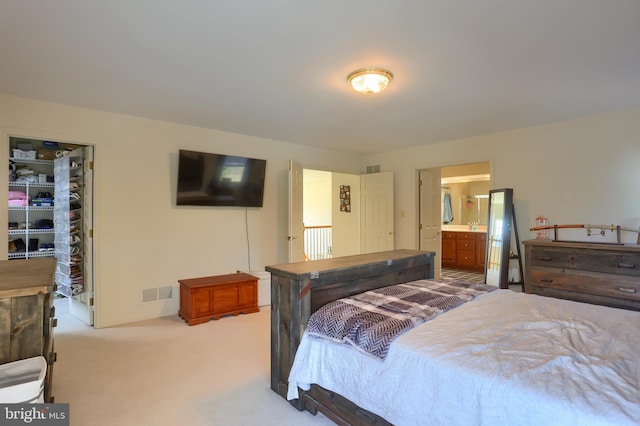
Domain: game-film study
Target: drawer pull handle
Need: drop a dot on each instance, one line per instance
(546, 280)
(627, 290)
(547, 258)
(626, 265)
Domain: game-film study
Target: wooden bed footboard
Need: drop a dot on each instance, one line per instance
(299, 289)
(337, 408)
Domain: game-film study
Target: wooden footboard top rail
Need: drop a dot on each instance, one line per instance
(299, 289)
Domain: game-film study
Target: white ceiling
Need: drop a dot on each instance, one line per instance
(276, 68)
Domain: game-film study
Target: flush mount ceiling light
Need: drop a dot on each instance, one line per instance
(369, 80)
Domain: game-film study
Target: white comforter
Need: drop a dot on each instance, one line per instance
(506, 358)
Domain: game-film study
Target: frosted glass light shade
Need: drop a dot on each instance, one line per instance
(369, 80)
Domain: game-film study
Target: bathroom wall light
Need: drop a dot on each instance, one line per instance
(369, 80)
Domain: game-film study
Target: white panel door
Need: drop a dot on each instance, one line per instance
(377, 207)
(296, 221)
(82, 305)
(73, 218)
(430, 215)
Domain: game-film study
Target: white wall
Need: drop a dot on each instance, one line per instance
(141, 238)
(346, 226)
(316, 197)
(579, 171)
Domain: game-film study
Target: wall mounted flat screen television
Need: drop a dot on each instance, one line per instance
(219, 180)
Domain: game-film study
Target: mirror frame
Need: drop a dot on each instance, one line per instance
(496, 212)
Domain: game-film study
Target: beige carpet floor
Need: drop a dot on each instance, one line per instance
(163, 372)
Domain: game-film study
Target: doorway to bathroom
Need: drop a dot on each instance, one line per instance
(465, 189)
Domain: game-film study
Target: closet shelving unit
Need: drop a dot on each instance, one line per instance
(29, 213)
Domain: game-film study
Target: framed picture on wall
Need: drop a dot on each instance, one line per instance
(345, 198)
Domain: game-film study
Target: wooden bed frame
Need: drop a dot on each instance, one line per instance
(299, 289)
(599, 274)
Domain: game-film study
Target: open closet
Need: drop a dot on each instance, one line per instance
(50, 214)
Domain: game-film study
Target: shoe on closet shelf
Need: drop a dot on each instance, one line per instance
(44, 224)
(74, 240)
(45, 194)
(74, 196)
(17, 246)
(74, 250)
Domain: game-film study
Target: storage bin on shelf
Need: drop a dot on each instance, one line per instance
(42, 202)
(24, 155)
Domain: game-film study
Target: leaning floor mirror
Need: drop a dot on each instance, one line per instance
(499, 224)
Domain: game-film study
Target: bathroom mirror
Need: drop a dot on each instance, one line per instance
(496, 271)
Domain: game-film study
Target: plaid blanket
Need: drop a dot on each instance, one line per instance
(370, 321)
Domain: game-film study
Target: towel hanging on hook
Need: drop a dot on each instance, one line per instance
(447, 214)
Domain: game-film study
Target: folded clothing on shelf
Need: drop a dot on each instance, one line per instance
(19, 203)
(27, 179)
(17, 195)
(18, 198)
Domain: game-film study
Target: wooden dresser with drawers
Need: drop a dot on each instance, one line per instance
(606, 274)
(27, 314)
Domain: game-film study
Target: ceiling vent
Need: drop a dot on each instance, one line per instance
(373, 169)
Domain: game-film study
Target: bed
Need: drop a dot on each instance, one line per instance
(516, 358)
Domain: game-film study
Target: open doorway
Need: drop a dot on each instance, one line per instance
(360, 220)
(333, 218)
(54, 183)
(317, 214)
(453, 205)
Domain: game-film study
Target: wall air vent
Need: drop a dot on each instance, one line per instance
(165, 293)
(149, 295)
(373, 169)
(157, 294)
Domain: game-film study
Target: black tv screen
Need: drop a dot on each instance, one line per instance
(219, 180)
